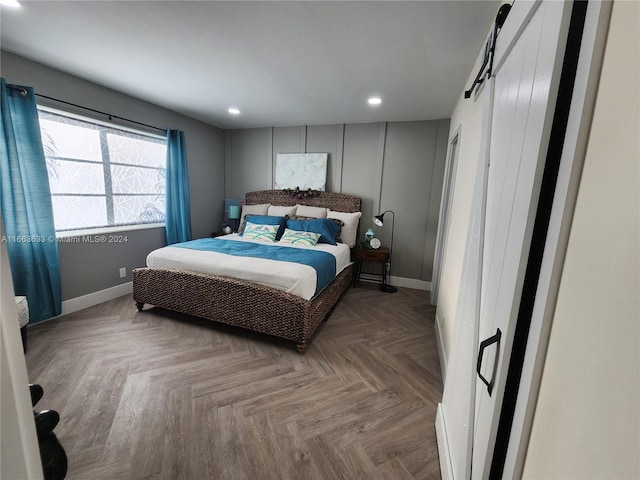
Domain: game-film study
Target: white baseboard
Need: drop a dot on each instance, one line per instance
(91, 299)
(442, 355)
(446, 470)
(399, 282)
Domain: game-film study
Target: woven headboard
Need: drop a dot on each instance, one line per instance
(339, 202)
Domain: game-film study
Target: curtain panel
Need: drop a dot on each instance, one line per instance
(177, 201)
(25, 203)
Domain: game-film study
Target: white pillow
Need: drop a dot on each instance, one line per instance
(314, 212)
(350, 227)
(254, 210)
(280, 211)
(309, 239)
(266, 233)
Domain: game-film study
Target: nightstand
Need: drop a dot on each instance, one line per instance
(380, 255)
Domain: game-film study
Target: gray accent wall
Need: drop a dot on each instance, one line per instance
(395, 166)
(328, 139)
(91, 267)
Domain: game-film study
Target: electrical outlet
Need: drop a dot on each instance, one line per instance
(123, 272)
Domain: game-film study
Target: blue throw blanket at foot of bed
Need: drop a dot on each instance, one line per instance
(323, 262)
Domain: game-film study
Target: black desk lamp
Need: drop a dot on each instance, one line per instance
(386, 286)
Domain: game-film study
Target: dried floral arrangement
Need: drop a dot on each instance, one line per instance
(298, 193)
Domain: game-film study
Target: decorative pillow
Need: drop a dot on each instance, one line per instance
(280, 211)
(254, 210)
(338, 222)
(266, 233)
(294, 237)
(313, 212)
(350, 227)
(327, 228)
(243, 223)
(281, 222)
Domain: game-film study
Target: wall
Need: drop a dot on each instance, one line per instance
(395, 166)
(587, 420)
(466, 121)
(87, 268)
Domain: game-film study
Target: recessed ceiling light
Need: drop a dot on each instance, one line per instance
(234, 111)
(10, 3)
(375, 101)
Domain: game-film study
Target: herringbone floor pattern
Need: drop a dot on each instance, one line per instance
(154, 394)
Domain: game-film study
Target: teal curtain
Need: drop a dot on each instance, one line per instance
(25, 203)
(177, 203)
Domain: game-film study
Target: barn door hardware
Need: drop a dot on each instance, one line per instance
(489, 49)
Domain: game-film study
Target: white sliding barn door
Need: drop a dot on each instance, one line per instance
(526, 73)
(519, 106)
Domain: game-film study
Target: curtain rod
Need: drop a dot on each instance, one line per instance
(110, 116)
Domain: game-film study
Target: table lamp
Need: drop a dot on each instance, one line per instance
(234, 214)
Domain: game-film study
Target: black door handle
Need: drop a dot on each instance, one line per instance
(484, 344)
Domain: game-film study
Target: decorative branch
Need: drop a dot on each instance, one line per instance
(297, 193)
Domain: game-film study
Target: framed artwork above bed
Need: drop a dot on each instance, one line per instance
(303, 170)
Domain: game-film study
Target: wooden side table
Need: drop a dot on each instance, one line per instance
(380, 255)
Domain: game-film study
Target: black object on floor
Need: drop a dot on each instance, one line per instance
(36, 393)
(54, 458)
(52, 454)
(46, 421)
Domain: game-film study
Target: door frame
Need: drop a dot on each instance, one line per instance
(446, 200)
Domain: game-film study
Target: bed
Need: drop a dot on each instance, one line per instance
(245, 303)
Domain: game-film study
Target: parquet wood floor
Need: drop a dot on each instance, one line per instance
(155, 394)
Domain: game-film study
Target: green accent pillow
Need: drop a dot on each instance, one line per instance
(266, 233)
(294, 237)
(264, 220)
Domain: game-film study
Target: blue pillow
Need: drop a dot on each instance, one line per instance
(269, 220)
(326, 227)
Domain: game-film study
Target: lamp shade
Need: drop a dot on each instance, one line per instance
(378, 220)
(234, 211)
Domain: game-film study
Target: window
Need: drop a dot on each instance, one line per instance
(102, 175)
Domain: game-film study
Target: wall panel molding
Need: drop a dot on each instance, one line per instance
(228, 163)
(271, 171)
(379, 166)
(390, 165)
(303, 139)
(337, 164)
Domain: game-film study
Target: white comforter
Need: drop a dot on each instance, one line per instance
(294, 278)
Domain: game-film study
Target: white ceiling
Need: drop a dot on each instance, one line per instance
(280, 63)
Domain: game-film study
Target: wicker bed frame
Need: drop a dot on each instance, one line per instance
(245, 304)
